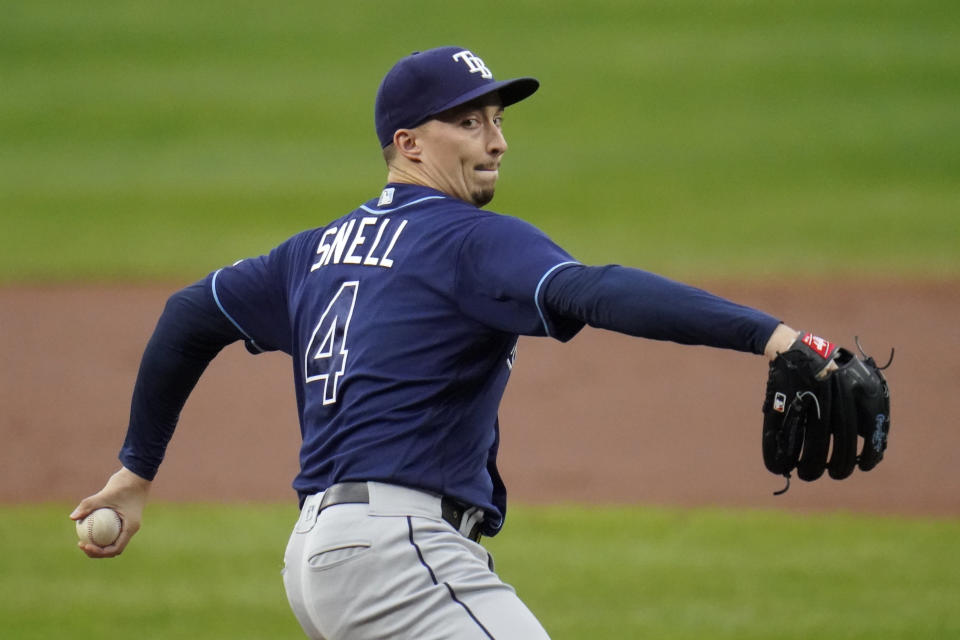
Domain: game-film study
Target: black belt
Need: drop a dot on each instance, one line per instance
(451, 510)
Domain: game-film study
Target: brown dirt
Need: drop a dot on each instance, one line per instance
(604, 419)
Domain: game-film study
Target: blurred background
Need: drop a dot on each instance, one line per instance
(146, 139)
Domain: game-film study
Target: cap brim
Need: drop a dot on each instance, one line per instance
(511, 92)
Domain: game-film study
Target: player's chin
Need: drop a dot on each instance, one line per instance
(483, 188)
(481, 197)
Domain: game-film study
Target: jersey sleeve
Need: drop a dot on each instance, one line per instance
(647, 305)
(503, 268)
(190, 332)
(252, 294)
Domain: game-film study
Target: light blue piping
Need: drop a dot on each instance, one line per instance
(536, 295)
(216, 298)
(382, 211)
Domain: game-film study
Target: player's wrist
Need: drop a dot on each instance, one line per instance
(131, 479)
(780, 341)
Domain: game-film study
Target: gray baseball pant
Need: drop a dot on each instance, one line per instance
(395, 569)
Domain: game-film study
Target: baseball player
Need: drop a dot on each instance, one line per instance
(401, 319)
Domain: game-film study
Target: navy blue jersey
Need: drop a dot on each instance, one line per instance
(402, 320)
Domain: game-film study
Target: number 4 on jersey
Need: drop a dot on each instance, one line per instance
(326, 355)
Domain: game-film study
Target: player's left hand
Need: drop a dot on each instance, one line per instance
(819, 398)
(125, 493)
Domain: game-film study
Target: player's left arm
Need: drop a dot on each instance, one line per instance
(190, 332)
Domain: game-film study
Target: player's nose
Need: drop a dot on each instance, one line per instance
(496, 142)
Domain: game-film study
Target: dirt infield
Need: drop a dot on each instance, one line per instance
(603, 419)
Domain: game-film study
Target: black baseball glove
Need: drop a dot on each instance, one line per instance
(819, 399)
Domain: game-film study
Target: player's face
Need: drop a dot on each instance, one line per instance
(462, 149)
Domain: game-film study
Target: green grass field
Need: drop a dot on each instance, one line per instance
(208, 571)
(164, 139)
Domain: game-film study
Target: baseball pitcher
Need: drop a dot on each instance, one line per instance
(401, 320)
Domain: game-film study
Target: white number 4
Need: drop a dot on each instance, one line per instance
(326, 355)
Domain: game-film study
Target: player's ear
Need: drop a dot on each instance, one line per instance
(407, 144)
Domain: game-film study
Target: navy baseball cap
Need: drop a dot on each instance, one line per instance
(426, 83)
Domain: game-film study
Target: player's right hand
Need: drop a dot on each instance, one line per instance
(125, 493)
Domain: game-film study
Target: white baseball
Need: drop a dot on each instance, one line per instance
(101, 527)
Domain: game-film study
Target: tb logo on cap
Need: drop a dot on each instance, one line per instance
(473, 63)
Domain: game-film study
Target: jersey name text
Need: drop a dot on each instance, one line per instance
(351, 243)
